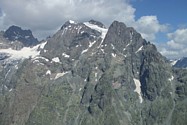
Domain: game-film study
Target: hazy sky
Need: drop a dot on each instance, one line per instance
(162, 22)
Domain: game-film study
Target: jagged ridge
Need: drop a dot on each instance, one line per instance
(15, 33)
(87, 74)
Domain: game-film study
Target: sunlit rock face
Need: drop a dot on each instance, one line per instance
(87, 74)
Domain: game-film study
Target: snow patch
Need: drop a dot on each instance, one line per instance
(128, 44)
(112, 46)
(48, 72)
(93, 36)
(72, 22)
(114, 55)
(138, 89)
(58, 75)
(40, 57)
(56, 59)
(174, 62)
(131, 35)
(79, 29)
(103, 31)
(139, 49)
(64, 30)
(96, 77)
(171, 79)
(84, 51)
(91, 44)
(65, 55)
(42, 45)
(25, 52)
(36, 61)
(7, 73)
(10, 90)
(95, 74)
(80, 89)
(103, 50)
(82, 32)
(16, 66)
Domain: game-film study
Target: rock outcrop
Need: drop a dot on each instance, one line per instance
(15, 33)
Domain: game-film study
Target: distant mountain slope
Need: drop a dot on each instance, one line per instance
(181, 63)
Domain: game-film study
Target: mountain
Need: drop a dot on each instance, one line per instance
(181, 63)
(15, 33)
(86, 74)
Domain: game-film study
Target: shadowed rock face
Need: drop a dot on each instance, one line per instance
(89, 75)
(15, 33)
(182, 63)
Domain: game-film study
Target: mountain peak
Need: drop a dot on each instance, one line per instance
(16, 33)
(124, 38)
(91, 22)
(86, 74)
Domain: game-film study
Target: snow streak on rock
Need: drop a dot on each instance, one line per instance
(56, 59)
(48, 72)
(84, 51)
(139, 49)
(138, 89)
(171, 79)
(65, 55)
(58, 75)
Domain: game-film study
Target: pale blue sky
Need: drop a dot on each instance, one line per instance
(168, 11)
(171, 12)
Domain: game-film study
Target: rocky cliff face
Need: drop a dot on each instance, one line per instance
(89, 75)
(15, 33)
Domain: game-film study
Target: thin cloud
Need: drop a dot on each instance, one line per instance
(47, 15)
